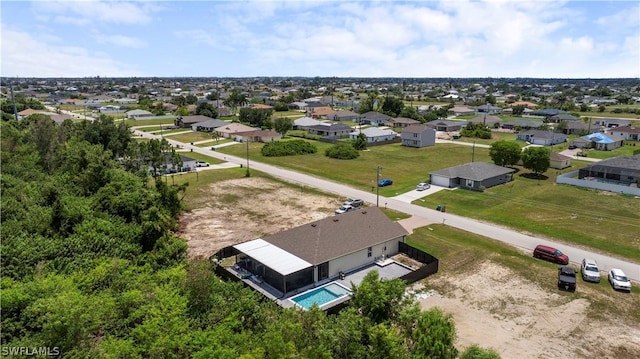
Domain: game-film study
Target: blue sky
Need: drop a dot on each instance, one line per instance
(455, 38)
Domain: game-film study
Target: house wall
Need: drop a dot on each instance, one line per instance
(494, 181)
(360, 258)
(570, 178)
(559, 164)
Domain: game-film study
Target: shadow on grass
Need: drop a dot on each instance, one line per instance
(534, 176)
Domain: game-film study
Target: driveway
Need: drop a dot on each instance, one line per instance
(413, 195)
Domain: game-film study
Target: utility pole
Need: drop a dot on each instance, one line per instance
(247, 174)
(378, 169)
(13, 99)
(473, 151)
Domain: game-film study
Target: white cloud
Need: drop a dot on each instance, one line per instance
(22, 55)
(120, 40)
(628, 18)
(86, 12)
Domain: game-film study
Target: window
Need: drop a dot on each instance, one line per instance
(369, 252)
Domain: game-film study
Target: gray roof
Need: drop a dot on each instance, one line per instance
(627, 165)
(215, 123)
(477, 171)
(542, 134)
(373, 115)
(336, 236)
(526, 123)
(331, 127)
(486, 119)
(416, 128)
(194, 119)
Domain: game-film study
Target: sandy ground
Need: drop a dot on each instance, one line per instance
(519, 320)
(238, 210)
(522, 320)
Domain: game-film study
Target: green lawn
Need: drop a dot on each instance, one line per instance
(495, 136)
(601, 220)
(201, 157)
(189, 137)
(215, 142)
(626, 150)
(405, 166)
(609, 114)
(161, 121)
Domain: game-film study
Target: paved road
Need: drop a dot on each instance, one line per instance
(424, 216)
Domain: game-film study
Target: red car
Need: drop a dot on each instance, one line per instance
(550, 254)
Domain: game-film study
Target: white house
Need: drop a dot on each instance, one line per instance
(375, 134)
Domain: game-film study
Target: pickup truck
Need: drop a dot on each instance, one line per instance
(567, 278)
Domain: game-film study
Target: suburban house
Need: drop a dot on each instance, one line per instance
(418, 136)
(489, 121)
(461, 111)
(374, 118)
(446, 125)
(611, 122)
(626, 132)
(188, 164)
(231, 129)
(324, 249)
(188, 121)
(559, 161)
(135, 114)
(335, 130)
(297, 106)
(258, 136)
(545, 113)
(401, 122)
(624, 170)
(474, 175)
(488, 109)
(208, 125)
(317, 109)
(574, 127)
(374, 134)
(563, 117)
(543, 138)
(599, 141)
(342, 115)
(303, 123)
(109, 109)
(261, 106)
(520, 124)
(526, 104)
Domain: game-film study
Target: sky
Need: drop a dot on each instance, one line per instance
(453, 38)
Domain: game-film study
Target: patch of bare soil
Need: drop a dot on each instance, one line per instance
(494, 307)
(238, 210)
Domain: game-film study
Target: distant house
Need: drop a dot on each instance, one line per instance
(208, 125)
(563, 117)
(489, 121)
(574, 127)
(231, 129)
(303, 123)
(299, 257)
(258, 136)
(599, 141)
(401, 122)
(342, 115)
(297, 106)
(474, 175)
(488, 109)
(446, 125)
(418, 136)
(627, 132)
(526, 104)
(135, 114)
(321, 112)
(522, 124)
(109, 109)
(543, 138)
(374, 118)
(335, 130)
(546, 113)
(559, 161)
(612, 122)
(260, 106)
(374, 134)
(461, 110)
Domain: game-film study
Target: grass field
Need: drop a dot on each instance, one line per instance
(190, 137)
(405, 166)
(215, 142)
(162, 121)
(201, 157)
(626, 150)
(601, 220)
(495, 136)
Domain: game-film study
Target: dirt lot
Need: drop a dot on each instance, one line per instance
(519, 320)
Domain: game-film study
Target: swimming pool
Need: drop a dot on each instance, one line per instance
(321, 295)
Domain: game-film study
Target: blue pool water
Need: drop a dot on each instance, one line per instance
(321, 296)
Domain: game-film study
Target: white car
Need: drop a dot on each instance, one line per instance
(422, 186)
(345, 208)
(619, 280)
(202, 164)
(590, 271)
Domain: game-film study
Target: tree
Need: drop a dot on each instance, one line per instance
(342, 151)
(476, 352)
(434, 335)
(518, 110)
(360, 143)
(379, 299)
(282, 125)
(206, 109)
(255, 116)
(477, 130)
(505, 153)
(536, 159)
(392, 106)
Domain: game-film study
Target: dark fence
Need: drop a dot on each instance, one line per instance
(226, 252)
(430, 263)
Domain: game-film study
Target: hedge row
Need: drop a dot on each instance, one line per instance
(288, 148)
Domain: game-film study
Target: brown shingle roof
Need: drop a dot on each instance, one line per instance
(336, 236)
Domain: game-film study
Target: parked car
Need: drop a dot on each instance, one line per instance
(567, 278)
(385, 182)
(422, 186)
(550, 254)
(590, 271)
(345, 208)
(572, 147)
(202, 164)
(354, 202)
(619, 280)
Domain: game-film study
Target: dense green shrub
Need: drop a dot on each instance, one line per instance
(342, 152)
(303, 134)
(477, 130)
(288, 148)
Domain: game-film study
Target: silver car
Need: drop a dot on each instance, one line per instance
(345, 208)
(423, 186)
(619, 280)
(590, 271)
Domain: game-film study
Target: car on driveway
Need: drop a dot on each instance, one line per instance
(354, 202)
(619, 280)
(422, 186)
(202, 164)
(385, 182)
(344, 209)
(573, 147)
(589, 270)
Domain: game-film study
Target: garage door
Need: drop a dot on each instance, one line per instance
(440, 181)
